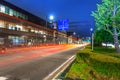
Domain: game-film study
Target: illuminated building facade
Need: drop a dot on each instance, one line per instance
(19, 27)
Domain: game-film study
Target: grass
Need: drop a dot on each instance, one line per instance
(107, 51)
(102, 64)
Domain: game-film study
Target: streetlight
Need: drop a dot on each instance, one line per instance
(74, 33)
(51, 17)
(44, 36)
(91, 29)
(51, 21)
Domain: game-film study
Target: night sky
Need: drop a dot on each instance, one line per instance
(77, 11)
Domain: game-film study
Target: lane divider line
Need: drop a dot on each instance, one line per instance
(60, 69)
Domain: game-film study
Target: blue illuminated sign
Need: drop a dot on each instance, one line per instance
(63, 24)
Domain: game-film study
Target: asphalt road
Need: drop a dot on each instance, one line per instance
(34, 64)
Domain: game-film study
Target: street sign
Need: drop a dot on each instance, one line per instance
(63, 24)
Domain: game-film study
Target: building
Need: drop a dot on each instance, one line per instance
(19, 27)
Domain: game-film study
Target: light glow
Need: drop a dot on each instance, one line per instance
(51, 17)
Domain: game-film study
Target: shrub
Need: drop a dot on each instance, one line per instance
(97, 65)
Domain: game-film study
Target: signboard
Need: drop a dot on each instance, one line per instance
(63, 24)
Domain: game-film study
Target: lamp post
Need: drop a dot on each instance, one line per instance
(44, 36)
(51, 18)
(74, 34)
(46, 22)
(51, 21)
(92, 39)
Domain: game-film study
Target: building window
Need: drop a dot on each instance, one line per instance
(11, 27)
(20, 15)
(7, 10)
(26, 17)
(16, 40)
(19, 28)
(2, 25)
(2, 8)
(11, 12)
(1, 41)
(23, 16)
(14, 13)
(17, 14)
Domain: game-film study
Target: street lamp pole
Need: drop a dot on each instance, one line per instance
(92, 40)
(45, 33)
(51, 18)
(46, 22)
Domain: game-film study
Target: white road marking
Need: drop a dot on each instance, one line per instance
(3, 78)
(46, 78)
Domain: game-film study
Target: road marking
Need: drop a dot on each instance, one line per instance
(69, 61)
(46, 78)
(3, 78)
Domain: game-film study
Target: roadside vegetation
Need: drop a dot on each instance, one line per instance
(107, 22)
(102, 64)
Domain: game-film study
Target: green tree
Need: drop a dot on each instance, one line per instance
(102, 36)
(107, 17)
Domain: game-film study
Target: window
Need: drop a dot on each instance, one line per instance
(23, 16)
(2, 24)
(17, 14)
(1, 41)
(14, 13)
(11, 27)
(20, 15)
(2, 8)
(26, 17)
(7, 10)
(6, 25)
(16, 40)
(11, 12)
(19, 28)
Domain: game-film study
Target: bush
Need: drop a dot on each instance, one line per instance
(97, 65)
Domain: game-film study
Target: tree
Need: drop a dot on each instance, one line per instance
(102, 36)
(107, 17)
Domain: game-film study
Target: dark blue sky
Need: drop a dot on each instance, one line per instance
(78, 11)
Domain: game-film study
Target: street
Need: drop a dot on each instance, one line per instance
(34, 63)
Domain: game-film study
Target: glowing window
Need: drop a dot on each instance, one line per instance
(2, 8)
(11, 12)
(2, 25)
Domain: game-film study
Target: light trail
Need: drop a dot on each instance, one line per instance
(34, 55)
